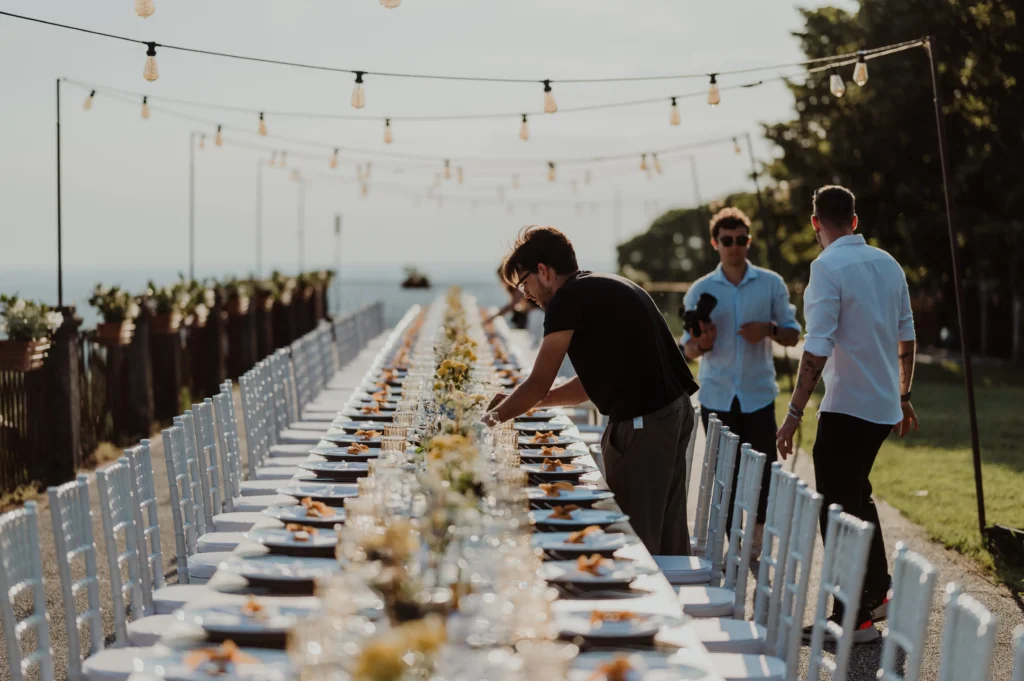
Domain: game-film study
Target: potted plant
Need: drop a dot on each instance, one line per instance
(167, 303)
(119, 310)
(28, 326)
(237, 293)
(265, 292)
(201, 299)
(284, 287)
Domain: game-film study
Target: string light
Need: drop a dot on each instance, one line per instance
(643, 162)
(458, 174)
(447, 169)
(524, 129)
(334, 159)
(674, 118)
(860, 71)
(144, 8)
(657, 163)
(219, 139)
(150, 71)
(87, 104)
(551, 171)
(263, 126)
(388, 138)
(736, 147)
(550, 105)
(836, 84)
(714, 96)
(515, 182)
(358, 93)
(145, 108)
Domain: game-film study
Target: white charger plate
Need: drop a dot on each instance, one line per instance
(280, 538)
(532, 427)
(272, 665)
(297, 514)
(602, 541)
(281, 568)
(335, 468)
(326, 492)
(228, 620)
(527, 441)
(582, 517)
(576, 470)
(647, 666)
(641, 626)
(580, 494)
(617, 572)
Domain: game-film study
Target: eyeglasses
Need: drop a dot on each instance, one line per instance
(741, 240)
(522, 283)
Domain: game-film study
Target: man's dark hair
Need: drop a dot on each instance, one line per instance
(536, 245)
(835, 206)
(728, 218)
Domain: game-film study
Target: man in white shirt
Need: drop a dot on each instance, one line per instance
(860, 337)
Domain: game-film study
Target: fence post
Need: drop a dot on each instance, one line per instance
(55, 410)
(241, 327)
(137, 386)
(167, 372)
(264, 325)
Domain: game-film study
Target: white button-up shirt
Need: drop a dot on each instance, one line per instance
(735, 368)
(857, 309)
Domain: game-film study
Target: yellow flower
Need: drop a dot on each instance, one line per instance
(381, 659)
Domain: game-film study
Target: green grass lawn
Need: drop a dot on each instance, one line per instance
(937, 459)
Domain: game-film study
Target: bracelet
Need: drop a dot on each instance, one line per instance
(905, 398)
(796, 413)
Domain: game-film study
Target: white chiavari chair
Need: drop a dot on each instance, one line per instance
(968, 638)
(913, 584)
(1018, 654)
(147, 522)
(21, 568)
(771, 567)
(693, 442)
(699, 537)
(118, 522)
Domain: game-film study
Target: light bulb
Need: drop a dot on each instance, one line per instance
(674, 118)
(515, 182)
(447, 169)
(145, 107)
(202, 141)
(388, 138)
(714, 96)
(87, 104)
(657, 163)
(390, 4)
(586, 177)
(860, 71)
(551, 171)
(144, 8)
(643, 161)
(334, 159)
(284, 159)
(550, 105)
(736, 147)
(150, 71)
(263, 125)
(836, 84)
(458, 174)
(219, 139)
(524, 129)
(358, 94)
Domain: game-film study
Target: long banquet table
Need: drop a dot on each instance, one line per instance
(660, 599)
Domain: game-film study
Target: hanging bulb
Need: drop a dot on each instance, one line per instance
(202, 141)
(550, 105)
(364, 190)
(736, 147)
(334, 160)
(144, 8)
(87, 104)
(219, 139)
(358, 94)
(657, 163)
(860, 71)
(551, 171)
(586, 177)
(714, 96)
(515, 182)
(673, 117)
(458, 174)
(524, 129)
(150, 71)
(388, 138)
(284, 159)
(145, 108)
(836, 84)
(447, 169)
(643, 161)
(263, 125)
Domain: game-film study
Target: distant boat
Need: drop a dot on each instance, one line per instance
(415, 279)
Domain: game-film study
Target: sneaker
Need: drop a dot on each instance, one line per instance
(866, 632)
(879, 610)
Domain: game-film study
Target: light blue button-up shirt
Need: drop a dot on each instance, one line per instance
(735, 368)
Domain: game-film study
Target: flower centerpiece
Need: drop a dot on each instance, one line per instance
(167, 304)
(406, 651)
(27, 326)
(119, 310)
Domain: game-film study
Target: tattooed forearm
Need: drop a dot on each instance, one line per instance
(809, 374)
(907, 357)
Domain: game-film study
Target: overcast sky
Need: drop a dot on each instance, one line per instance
(126, 179)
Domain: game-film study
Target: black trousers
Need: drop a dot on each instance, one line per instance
(844, 453)
(758, 428)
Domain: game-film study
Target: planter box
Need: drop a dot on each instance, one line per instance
(115, 333)
(166, 323)
(23, 355)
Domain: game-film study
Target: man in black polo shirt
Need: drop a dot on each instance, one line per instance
(627, 363)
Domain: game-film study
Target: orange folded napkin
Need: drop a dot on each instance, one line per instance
(254, 609)
(591, 564)
(220, 658)
(551, 451)
(616, 670)
(552, 465)
(317, 509)
(564, 512)
(379, 396)
(371, 409)
(367, 434)
(555, 488)
(598, 617)
(300, 532)
(578, 537)
(357, 448)
(543, 437)
(531, 411)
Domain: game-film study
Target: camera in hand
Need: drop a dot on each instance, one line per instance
(702, 313)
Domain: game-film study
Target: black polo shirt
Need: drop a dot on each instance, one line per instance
(621, 348)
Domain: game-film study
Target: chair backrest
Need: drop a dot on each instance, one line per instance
(198, 482)
(913, 584)
(707, 476)
(844, 563)
(117, 511)
(346, 339)
(301, 374)
(799, 558)
(693, 441)
(21, 567)
(230, 461)
(180, 487)
(209, 459)
(147, 521)
(771, 566)
(282, 381)
(968, 638)
(328, 352)
(253, 413)
(1018, 655)
(744, 521)
(721, 497)
(72, 533)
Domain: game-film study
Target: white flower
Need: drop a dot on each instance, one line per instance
(53, 320)
(19, 305)
(3, 326)
(209, 298)
(202, 311)
(182, 300)
(133, 311)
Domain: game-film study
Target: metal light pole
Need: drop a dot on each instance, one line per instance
(259, 218)
(302, 225)
(192, 205)
(337, 261)
(60, 235)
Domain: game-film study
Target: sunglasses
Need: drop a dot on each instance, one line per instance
(521, 285)
(726, 241)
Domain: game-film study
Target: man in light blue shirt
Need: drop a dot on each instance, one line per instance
(737, 369)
